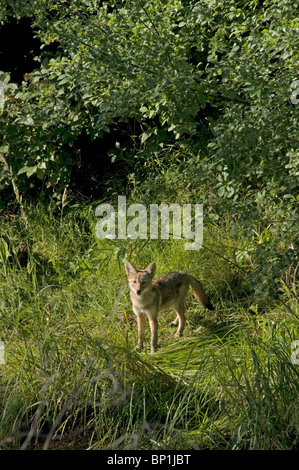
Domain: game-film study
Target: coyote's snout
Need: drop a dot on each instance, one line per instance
(150, 296)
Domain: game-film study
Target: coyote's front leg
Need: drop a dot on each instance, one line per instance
(141, 320)
(154, 333)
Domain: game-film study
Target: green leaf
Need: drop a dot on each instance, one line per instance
(29, 170)
(4, 148)
(145, 135)
(40, 173)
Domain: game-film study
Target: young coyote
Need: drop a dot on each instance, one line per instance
(149, 297)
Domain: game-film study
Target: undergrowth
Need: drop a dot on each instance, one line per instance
(72, 379)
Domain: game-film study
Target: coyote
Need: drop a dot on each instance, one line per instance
(149, 297)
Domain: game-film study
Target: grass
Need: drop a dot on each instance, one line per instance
(73, 380)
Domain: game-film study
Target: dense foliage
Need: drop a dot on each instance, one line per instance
(179, 69)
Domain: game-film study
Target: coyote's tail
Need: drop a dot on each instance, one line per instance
(199, 293)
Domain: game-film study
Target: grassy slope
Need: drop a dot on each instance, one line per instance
(72, 379)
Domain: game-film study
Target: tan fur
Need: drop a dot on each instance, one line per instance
(149, 297)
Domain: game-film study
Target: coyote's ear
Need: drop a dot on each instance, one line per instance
(151, 269)
(130, 269)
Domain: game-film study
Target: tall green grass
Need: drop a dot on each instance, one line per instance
(72, 378)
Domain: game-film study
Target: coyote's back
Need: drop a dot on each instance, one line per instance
(174, 285)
